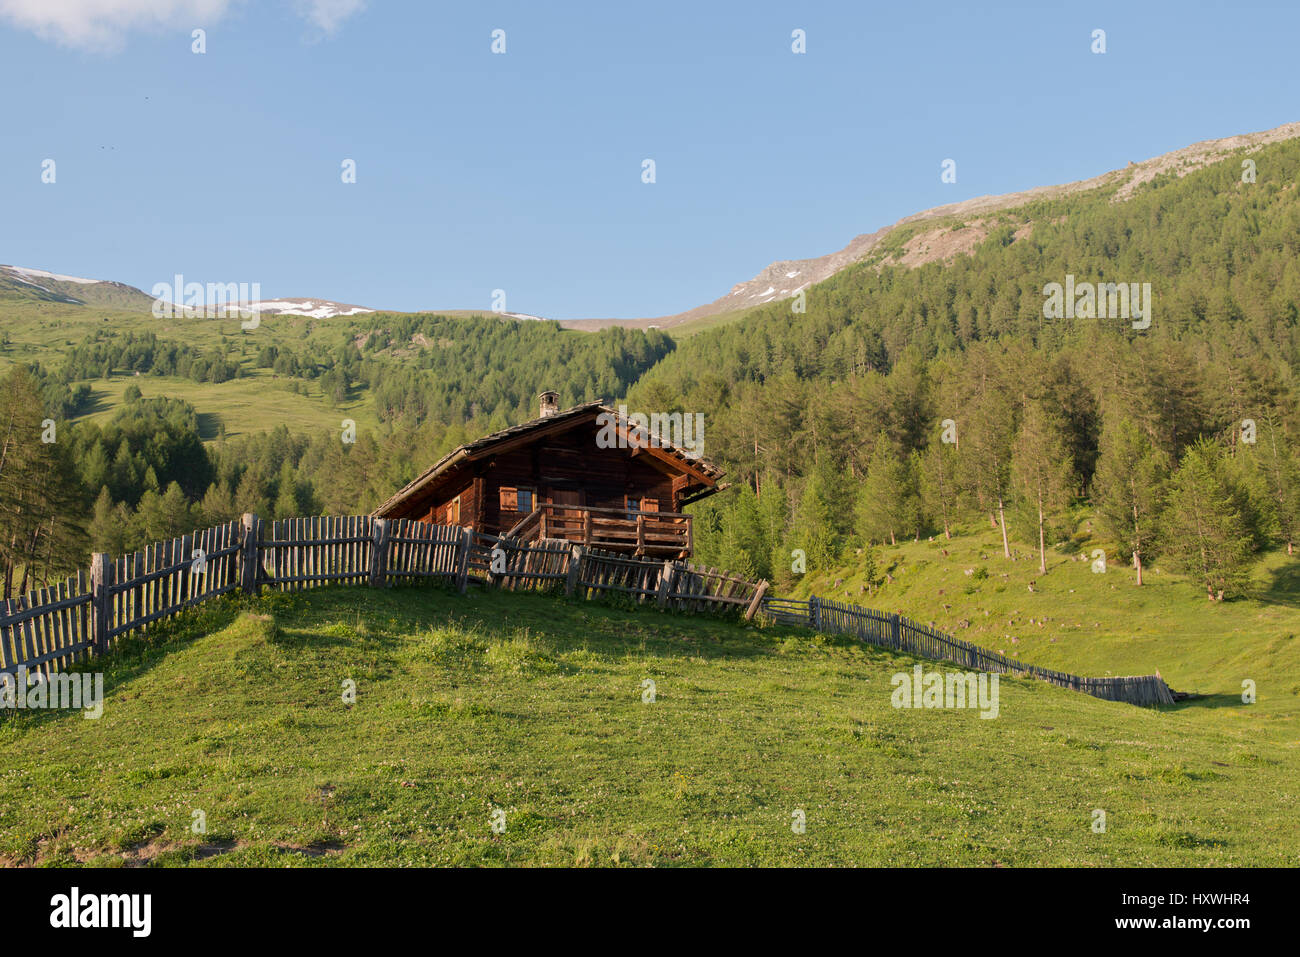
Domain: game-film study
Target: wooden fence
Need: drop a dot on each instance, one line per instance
(902, 634)
(52, 627)
(590, 572)
(84, 615)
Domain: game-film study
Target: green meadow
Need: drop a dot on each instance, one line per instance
(529, 710)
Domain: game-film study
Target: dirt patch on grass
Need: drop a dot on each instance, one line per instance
(327, 849)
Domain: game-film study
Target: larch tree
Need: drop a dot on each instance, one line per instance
(1042, 471)
(41, 502)
(936, 472)
(1129, 487)
(1279, 466)
(888, 502)
(986, 427)
(1203, 530)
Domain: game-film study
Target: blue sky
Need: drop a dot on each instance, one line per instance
(522, 171)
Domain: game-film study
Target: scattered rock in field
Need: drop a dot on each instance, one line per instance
(968, 571)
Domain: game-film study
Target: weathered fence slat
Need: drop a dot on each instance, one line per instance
(902, 634)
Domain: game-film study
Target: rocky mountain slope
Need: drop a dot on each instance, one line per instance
(785, 278)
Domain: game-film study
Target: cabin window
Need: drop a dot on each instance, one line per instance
(517, 500)
(453, 511)
(633, 504)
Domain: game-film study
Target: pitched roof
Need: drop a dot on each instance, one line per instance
(479, 448)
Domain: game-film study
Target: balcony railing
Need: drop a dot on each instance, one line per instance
(660, 534)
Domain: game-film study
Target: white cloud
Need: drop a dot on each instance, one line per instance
(104, 24)
(328, 14)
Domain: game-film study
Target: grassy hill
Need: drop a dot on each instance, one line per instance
(45, 332)
(533, 705)
(1086, 622)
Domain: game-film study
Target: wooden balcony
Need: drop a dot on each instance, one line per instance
(655, 534)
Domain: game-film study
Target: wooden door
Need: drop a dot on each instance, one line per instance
(566, 523)
(567, 496)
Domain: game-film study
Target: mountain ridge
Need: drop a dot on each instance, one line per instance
(779, 280)
(930, 246)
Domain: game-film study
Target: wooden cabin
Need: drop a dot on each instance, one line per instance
(549, 478)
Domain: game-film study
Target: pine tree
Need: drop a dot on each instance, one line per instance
(986, 428)
(745, 525)
(936, 472)
(110, 526)
(1128, 488)
(248, 496)
(1041, 470)
(1202, 528)
(812, 529)
(286, 499)
(888, 502)
(40, 498)
(1279, 472)
(177, 516)
(218, 506)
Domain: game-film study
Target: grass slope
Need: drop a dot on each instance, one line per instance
(256, 403)
(533, 705)
(1090, 623)
(45, 332)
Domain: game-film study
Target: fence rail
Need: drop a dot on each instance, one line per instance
(51, 628)
(902, 634)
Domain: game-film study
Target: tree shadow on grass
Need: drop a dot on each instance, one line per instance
(1284, 587)
(209, 425)
(1207, 701)
(98, 402)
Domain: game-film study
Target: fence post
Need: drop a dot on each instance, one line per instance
(575, 565)
(101, 580)
(896, 631)
(248, 554)
(462, 574)
(379, 553)
(758, 598)
(665, 583)
(814, 613)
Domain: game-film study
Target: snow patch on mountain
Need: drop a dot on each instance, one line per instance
(20, 272)
(312, 308)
